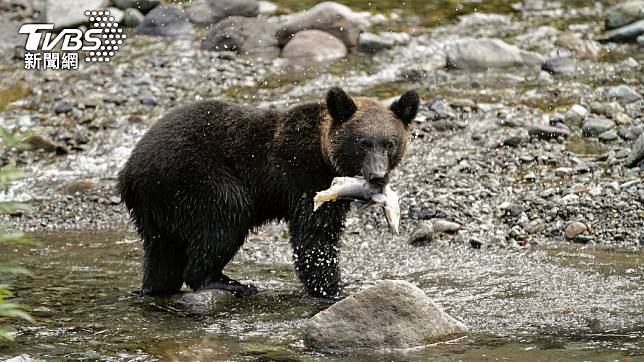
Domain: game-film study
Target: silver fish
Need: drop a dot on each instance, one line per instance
(357, 188)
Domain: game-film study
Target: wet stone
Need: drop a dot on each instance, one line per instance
(330, 17)
(561, 65)
(575, 229)
(315, 45)
(428, 230)
(484, 53)
(63, 107)
(545, 132)
(624, 94)
(609, 135)
(594, 126)
(364, 320)
(204, 302)
(148, 100)
(166, 20)
(637, 152)
(627, 33)
(143, 6)
(132, 18)
(629, 133)
(624, 13)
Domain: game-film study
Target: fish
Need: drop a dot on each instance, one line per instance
(366, 195)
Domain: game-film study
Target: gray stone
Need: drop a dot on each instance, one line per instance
(483, 19)
(576, 115)
(640, 40)
(428, 230)
(628, 33)
(390, 314)
(328, 16)
(63, 107)
(629, 133)
(116, 13)
(205, 302)
(594, 126)
(132, 18)
(148, 100)
(637, 152)
(546, 132)
(248, 36)
(371, 43)
(212, 11)
(623, 14)
(143, 6)
(166, 20)
(575, 229)
(560, 65)
(609, 135)
(608, 109)
(315, 45)
(484, 53)
(535, 226)
(624, 94)
(67, 13)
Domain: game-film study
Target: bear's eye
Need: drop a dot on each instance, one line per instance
(391, 145)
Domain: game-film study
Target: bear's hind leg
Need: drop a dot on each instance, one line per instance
(163, 266)
(215, 240)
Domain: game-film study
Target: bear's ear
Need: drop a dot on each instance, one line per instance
(340, 105)
(406, 106)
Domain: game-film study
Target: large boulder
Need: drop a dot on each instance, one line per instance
(248, 36)
(68, 13)
(314, 45)
(206, 12)
(328, 16)
(391, 314)
(166, 20)
(484, 53)
(625, 13)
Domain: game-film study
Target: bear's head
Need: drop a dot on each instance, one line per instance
(363, 137)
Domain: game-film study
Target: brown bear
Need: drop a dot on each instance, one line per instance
(208, 172)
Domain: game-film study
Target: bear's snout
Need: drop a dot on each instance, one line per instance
(375, 169)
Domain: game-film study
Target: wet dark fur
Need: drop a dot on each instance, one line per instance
(207, 173)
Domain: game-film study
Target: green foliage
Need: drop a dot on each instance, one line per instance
(8, 309)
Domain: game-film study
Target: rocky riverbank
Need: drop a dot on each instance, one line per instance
(527, 130)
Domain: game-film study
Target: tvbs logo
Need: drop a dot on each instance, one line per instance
(99, 43)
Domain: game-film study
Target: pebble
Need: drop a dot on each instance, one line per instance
(628, 33)
(63, 107)
(545, 132)
(576, 115)
(624, 94)
(148, 100)
(594, 126)
(637, 152)
(560, 65)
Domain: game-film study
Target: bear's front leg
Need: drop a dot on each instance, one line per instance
(315, 237)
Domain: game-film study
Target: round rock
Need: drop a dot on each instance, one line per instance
(390, 314)
(314, 44)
